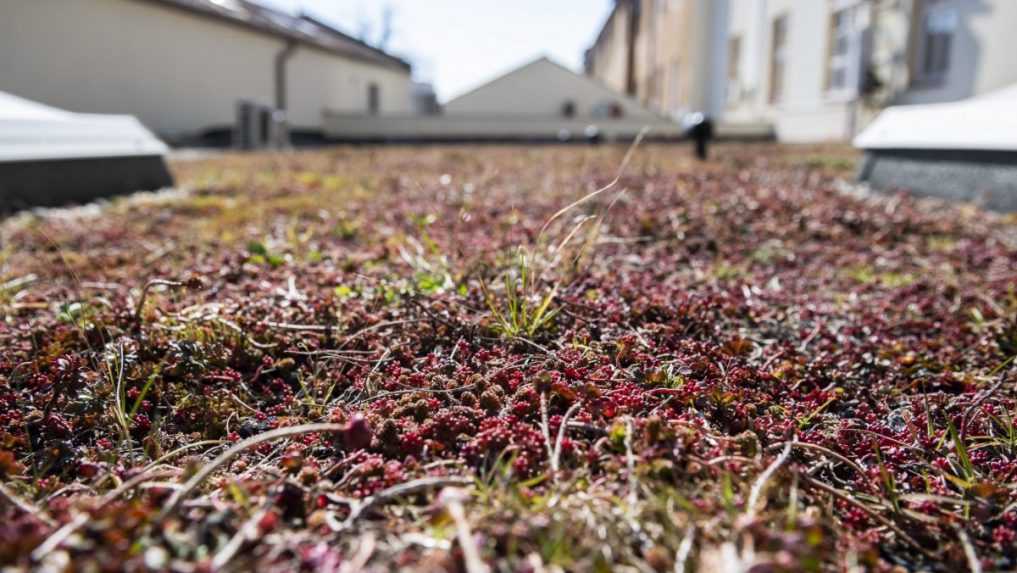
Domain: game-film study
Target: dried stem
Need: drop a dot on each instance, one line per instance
(868, 510)
(757, 488)
(24, 506)
(359, 508)
(226, 456)
(149, 286)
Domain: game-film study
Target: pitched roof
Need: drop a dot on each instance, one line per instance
(565, 85)
(303, 29)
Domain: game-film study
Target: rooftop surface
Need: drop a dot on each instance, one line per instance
(508, 358)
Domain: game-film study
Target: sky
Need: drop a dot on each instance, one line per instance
(460, 44)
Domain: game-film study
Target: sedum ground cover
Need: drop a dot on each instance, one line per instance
(510, 359)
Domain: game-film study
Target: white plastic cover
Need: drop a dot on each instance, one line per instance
(31, 131)
(985, 123)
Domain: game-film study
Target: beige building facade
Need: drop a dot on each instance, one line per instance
(540, 101)
(665, 53)
(611, 59)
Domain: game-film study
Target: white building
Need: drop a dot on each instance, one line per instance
(820, 69)
(181, 66)
(539, 101)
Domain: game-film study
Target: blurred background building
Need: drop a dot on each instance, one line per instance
(668, 54)
(540, 101)
(187, 68)
(814, 70)
(225, 72)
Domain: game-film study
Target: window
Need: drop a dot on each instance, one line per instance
(734, 60)
(568, 109)
(842, 39)
(778, 58)
(373, 99)
(937, 25)
(608, 109)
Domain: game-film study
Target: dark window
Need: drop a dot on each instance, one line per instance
(608, 109)
(778, 58)
(734, 60)
(842, 36)
(937, 25)
(568, 109)
(937, 53)
(373, 99)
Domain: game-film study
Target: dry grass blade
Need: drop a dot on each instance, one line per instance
(64, 532)
(10, 498)
(556, 452)
(359, 508)
(247, 532)
(974, 564)
(621, 173)
(58, 537)
(140, 307)
(1004, 371)
(545, 428)
(760, 484)
(471, 555)
(685, 550)
(365, 549)
(825, 451)
(630, 464)
(871, 513)
(209, 468)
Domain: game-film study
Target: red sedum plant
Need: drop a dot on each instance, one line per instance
(734, 364)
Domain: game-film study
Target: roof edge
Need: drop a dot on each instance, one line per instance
(380, 57)
(336, 31)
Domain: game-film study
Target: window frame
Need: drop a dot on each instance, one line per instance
(779, 55)
(851, 62)
(734, 69)
(921, 76)
(373, 99)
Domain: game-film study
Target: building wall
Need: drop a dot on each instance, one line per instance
(318, 82)
(677, 58)
(745, 70)
(667, 56)
(981, 60)
(178, 73)
(807, 110)
(609, 62)
(715, 56)
(982, 52)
